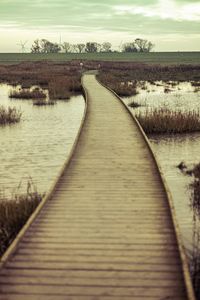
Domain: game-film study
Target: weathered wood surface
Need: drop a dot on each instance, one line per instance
(107, 232)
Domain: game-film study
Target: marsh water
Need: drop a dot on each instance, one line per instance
(38, 145)
(171, 150)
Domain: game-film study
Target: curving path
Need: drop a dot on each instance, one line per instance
(107, 231)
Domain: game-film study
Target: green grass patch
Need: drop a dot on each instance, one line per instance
(151, 58)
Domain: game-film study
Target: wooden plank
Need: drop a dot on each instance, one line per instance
(20, 296)
(92, 291)
(97, 274)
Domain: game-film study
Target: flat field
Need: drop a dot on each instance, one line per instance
(165, 58)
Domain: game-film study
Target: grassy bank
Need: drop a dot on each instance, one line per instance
(165, 121)
(153, 57)
(9, 115)
(13, 215)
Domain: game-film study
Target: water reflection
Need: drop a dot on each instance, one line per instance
(39, 144)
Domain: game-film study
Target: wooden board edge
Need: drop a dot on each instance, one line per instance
(13, 246)
(183, 256)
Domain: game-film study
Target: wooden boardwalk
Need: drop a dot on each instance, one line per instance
(107, 232)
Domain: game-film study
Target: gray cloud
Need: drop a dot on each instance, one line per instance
(135, 17)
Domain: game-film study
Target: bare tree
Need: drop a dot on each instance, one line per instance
(66, 47)
(36, 47)
(92, 47)
(129, 47)
(45, 46)
(143, 45)
(80, 48)
(106, 47)
(22, 46)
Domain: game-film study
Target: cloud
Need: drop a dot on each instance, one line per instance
(111, 20)
(163, 9)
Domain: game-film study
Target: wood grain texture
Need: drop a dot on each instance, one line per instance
(107, 231)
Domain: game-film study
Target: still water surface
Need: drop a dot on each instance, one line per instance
(39, 144)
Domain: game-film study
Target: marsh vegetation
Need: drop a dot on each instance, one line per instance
(166, 121)
(21, 93)
(61, 81)
(14, 213)
(9, 115)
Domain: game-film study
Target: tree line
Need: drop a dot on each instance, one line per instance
(45, 46)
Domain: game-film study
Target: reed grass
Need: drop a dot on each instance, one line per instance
(148, 72)
(9, 115)
(165, 121)
(59, 88)
(43, 102)
(14, 213)
(64, 87)
(35, 93)
(124, 90)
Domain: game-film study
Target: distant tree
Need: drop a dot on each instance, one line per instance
(139, 45)
(45, 46)
(92, 47)
(80, 48)
(106, 47)
(143, 45)
(129, 47)
(36, 47)
(67, 47)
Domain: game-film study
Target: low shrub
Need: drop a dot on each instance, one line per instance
(9, 115)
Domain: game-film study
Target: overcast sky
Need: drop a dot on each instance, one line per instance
(172, 25)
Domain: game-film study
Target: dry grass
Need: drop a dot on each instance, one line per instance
(45, 74)
(43, 102)
(35, 93)
(9, 115)
(14, 213)
(148, 72)
(164, 121)
(122, 88)
(64, 87)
